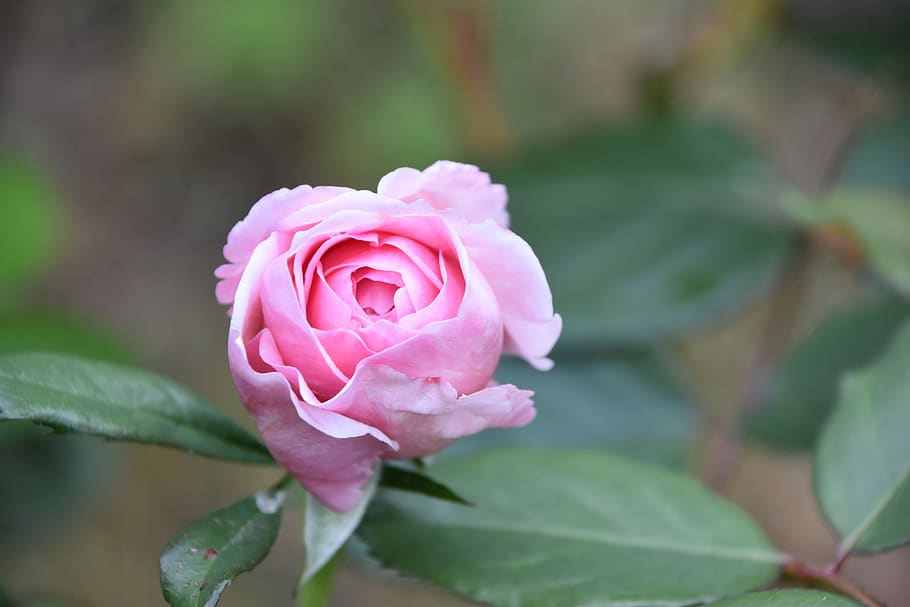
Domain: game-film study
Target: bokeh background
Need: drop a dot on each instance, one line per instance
(647, 147)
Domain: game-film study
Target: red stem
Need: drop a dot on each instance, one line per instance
(828, 577)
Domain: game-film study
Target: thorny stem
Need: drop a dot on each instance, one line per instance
(827, 576)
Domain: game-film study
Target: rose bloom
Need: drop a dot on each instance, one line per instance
(367, 326)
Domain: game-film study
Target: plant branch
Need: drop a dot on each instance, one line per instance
(829, 578)
(459, 36)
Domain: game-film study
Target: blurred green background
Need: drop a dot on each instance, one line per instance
(660, 157)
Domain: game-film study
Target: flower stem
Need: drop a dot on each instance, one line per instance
(828, 577)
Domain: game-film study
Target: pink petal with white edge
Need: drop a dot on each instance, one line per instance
(520, 286)
(425, 415)
(450, 185)
(262, 220)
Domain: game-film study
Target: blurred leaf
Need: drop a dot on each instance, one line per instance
(46, 481)
(325, 531)
(5, 599)
(246, 51)
(554, 529)
(787, 598)
(203, 559)
(869, 36)
(804, 388)
(29, 331)
(862, 464)
(394, 477)
(630, 404)
(647, 231)
(403, 121)
(78, 395)
(879, 157)
(27, 221)
(879, 220)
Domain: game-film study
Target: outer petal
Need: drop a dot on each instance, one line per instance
(450, 185)
(261, 221)
(330, 454)
(332, 469)
(520, 286)
(424, 415)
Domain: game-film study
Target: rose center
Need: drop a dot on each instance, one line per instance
(375, 297)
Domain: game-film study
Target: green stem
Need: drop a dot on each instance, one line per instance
(828, 577)
(284, 483)
(317, 591)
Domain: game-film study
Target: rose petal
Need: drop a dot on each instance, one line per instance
(262, 220)
(330, 454)
(296, 339)
(450, 185)
(518, 280)
(333, 469)
(426, 414)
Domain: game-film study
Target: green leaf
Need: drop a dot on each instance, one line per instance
(5, 599)
(869, 38)
(325, 531)
(203, 559)
(92, 397)
(804, 388)
(649, 230)
(862, 465)
(394, 477)
(878, 158)
(568, 528)
(53, 478)
(27, 220)
(787, 598)
(879, 220)
(630, 403)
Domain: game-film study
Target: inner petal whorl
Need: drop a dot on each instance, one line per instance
(376, 298)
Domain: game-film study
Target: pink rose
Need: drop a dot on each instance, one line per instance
(367, 326)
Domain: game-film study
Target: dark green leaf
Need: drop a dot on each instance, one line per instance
(46, 481)
(27, 220)
(647, 231)
(627, 403)
(567, 528)
(325, 531)
(805, 386)
(394, 477)
(788, 598)
(200, 562)
(878, 159)
(862, 466)
(120, 403)
(5, 599)
(869, 37)
(53, 478)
